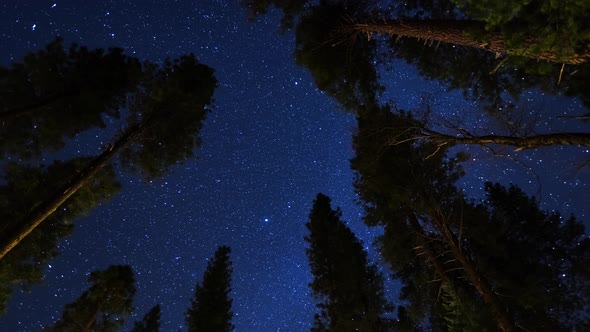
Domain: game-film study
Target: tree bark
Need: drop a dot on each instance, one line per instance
(39, 214)
(521, 143)
(480, 283)
(454, 32)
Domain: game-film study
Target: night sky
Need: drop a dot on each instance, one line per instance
(271, 143)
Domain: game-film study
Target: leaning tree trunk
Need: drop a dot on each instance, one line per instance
(39, 214)
(521, 143)
(454, 32)
(479, 281)
(505, 322)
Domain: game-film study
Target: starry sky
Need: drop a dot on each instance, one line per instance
(271, 143)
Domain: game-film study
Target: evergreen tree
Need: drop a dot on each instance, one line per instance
(341, 66)
(26, 187)
(210, 309)
(150, 322)
(104, 306)
(517, 28)
(54, 94)
(169, 110)
(334, 44)
(409, 189)
(464, 264)
(539, 258)
(350, 290)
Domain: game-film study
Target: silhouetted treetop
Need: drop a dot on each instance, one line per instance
(150, 321)
(349, 289)
(54, 94)
(104, 306)
(210, 309)
(172, 106)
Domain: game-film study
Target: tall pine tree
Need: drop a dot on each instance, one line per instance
(166, 117)
(350, 289)
(210, 309)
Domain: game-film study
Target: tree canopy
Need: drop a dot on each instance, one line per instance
(432, 229)
(166, 115)
(53, 94)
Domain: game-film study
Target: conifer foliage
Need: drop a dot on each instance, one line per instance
(350, 289)
(150, 322)
(210, 309)
(104, 306)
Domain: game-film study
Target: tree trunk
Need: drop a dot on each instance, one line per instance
(91, 321)
(477, 279)
(521, 143)
(39, 214)
(454, 32)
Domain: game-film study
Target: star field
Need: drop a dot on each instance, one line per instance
(270, 144)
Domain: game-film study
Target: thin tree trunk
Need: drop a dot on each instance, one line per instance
(454, 32)
(39, 214)
(521, 143)
(91, 321)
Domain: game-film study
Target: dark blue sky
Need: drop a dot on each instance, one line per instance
(272, 142)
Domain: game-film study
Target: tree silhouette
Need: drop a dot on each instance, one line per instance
(26, 187)
(210, 309)
(415, 194)
(104, 306)
(150, 322)
(479, 252)
(350, 290)
(55, 93)
(513, 28)
(540, 258)
(342, 67)
(166, 117)
(339, 50)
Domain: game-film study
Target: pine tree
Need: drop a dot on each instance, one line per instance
(150, 322)
(56, 93)
(169, 109)
(104, 306)
(210, 309)
(27, 186)
(409, 189)
(502, 259)
(350, 290)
